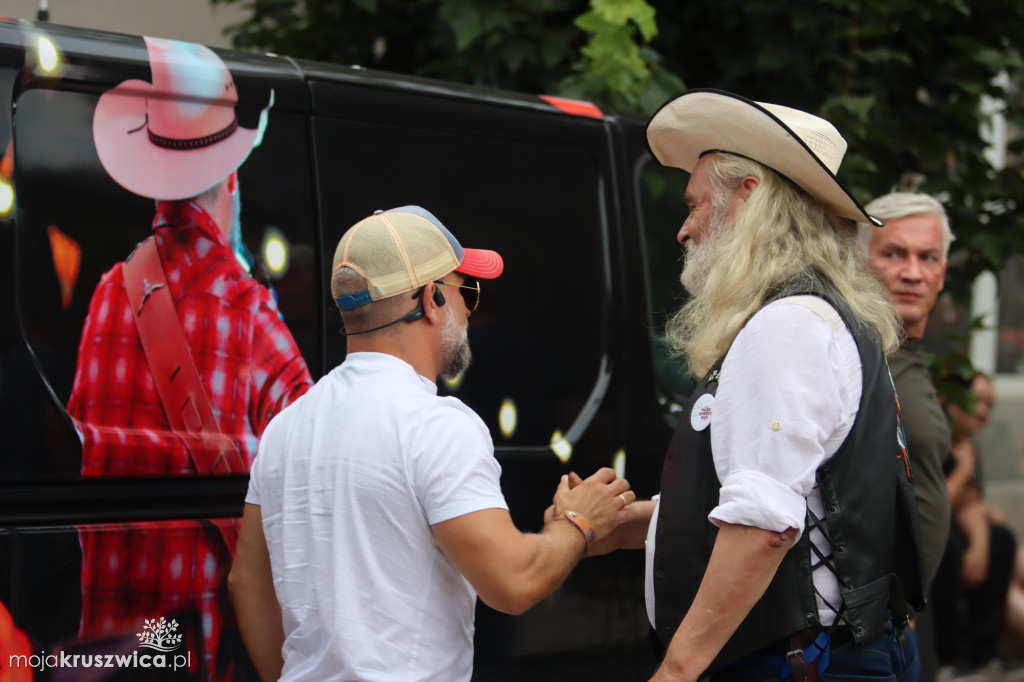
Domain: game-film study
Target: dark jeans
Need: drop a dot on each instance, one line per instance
(880, 659)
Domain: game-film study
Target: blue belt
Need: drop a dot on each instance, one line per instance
(817, 651)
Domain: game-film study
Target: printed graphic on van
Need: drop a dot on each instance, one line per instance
(184, 358)
(183, 355)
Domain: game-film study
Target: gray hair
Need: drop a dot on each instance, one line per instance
(897, 205)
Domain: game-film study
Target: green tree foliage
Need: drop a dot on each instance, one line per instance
(526, 45)
(615, 68)
(903, 80)
(951, 367)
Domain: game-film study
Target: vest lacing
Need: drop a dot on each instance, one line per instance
(819, 560)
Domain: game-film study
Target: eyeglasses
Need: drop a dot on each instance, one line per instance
(470, 294)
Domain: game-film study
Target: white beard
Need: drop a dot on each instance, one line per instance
(457, 355)
(702, 257)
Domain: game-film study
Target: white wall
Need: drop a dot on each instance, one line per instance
(1001, 446)
(192, 20)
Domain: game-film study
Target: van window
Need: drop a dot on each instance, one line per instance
(74, 223)
(539, 334)
(659, 192)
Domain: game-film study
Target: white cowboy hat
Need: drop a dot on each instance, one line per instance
(804, 148)
(178, 136)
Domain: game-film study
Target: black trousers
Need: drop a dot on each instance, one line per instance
(969, 622)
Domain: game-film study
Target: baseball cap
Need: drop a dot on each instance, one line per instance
(401, 250)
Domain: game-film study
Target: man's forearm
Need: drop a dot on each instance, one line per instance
(555, 556)
(973, 521)
(260, 624)
(743, 563)
(251, 588)
(556, 550)
(957, 484)
(511, 571)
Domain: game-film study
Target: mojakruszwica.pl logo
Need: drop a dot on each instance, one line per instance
(157, 634)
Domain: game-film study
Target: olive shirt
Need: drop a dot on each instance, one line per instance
(928, 443)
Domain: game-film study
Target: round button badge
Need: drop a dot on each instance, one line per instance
(700, 417)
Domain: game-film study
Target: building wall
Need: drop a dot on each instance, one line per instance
(1001, 448)
(196, 21)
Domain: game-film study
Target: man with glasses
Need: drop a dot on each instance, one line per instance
(374, 515)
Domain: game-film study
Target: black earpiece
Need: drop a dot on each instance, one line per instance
(411, 316)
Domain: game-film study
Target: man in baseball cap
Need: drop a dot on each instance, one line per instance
(375, 515)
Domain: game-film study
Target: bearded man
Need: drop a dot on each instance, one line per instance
(375, 515)
(785, 540)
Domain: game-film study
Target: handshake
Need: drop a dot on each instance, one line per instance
(601, 506)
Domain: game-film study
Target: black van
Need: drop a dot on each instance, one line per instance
(569, 371)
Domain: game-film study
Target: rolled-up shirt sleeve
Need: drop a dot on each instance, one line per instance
(787, 398)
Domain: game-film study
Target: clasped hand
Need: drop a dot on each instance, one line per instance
(603, 498)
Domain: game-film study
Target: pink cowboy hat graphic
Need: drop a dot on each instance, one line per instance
(178, 136)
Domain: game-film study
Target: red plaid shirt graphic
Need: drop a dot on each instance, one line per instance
(250, 368)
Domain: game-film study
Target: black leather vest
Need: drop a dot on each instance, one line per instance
(869, 505)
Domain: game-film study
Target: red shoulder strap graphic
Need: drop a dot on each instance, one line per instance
(182, 395)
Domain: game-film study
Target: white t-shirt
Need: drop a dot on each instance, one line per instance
(788, 396)
(349, 480)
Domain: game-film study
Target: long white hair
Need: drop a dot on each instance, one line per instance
(778, 233)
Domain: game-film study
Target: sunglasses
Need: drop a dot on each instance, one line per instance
(470, 293)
